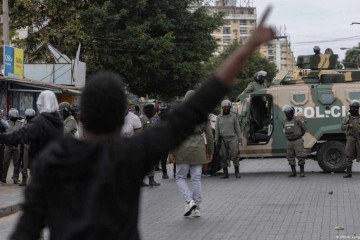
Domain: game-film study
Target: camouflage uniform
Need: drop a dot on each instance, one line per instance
(294, 129)
(252, 87)
(227, 135)
(351, 124)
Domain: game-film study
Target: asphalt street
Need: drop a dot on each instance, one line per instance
(263, 204)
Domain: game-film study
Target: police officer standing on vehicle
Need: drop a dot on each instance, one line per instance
(227, 137)
(351, 124)
(259, 83)
(294, 129)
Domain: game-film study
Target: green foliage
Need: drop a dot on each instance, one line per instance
(157, 46)
(351, 57)
(53, 21)
(254, 64)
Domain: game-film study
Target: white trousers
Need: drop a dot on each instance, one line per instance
(195, 173)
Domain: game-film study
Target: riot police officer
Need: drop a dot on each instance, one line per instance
(227, 137)
(259, 83)
(317, 50)
(294, 129)
(70, 125)
(351, 124)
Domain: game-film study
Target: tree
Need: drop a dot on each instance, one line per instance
(254, 64)
(52, 21)
(157, 46)
(351, 57)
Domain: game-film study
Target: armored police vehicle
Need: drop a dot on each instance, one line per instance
(320, 95)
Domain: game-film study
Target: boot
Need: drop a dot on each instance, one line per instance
(23, 183)
(16, 181)
(302, 174)
(165, 175)
(237, 173)
(293, 171)
(152, 182)
(349, 172)
(226, 173)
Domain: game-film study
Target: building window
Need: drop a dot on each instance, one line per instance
(226, 30)
(271, 58)
(243, 22)
(243, 30)
(226, 39)
(243, 39)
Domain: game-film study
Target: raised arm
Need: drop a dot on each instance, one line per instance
(233, 64)
(25, 134)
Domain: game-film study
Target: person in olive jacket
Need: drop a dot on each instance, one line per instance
(190, 156)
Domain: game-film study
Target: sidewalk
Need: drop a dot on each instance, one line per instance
(11, 196)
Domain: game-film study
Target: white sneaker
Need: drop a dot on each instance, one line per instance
(196, 213)
(189, 207)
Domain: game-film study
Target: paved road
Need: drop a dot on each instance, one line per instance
(263, 204)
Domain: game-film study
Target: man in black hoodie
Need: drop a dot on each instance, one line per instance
(41, 130)
(84, 189)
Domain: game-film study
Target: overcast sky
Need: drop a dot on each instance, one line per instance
(308, 21)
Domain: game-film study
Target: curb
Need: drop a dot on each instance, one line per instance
(8, 210)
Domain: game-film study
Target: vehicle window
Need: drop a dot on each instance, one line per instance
(326, 98)
(299, 98)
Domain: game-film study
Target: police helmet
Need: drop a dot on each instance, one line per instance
(260, 75)
(226, 103)
(287, 109)
(29, 112)
(354, 103)
(13, 112)
(316, 49)
(64, 106)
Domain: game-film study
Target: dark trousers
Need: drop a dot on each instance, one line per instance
(12, 152)
(1, 160)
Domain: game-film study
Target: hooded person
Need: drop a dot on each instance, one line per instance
(190, 156)
(42, 129)
(90, 189)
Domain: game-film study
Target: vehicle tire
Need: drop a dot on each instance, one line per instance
(331, 156)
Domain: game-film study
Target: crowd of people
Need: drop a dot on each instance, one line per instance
(22, 137)
(85, 182)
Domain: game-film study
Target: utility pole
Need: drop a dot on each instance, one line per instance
(6, 20)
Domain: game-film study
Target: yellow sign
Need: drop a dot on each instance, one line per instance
(19, 63)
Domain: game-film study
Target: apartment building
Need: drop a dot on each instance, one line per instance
(279, 52)
(240, 21)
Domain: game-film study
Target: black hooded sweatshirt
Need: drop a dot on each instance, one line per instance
(90, 190)
(39, 131)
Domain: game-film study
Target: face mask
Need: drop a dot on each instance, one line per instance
(226, 111)
(13, 119)
(28, 118)
(261, 80)
(289, 115)
(354, 111)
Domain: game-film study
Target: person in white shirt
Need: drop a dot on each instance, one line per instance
(132, 125)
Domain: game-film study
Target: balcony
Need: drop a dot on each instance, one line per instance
(240, 16)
